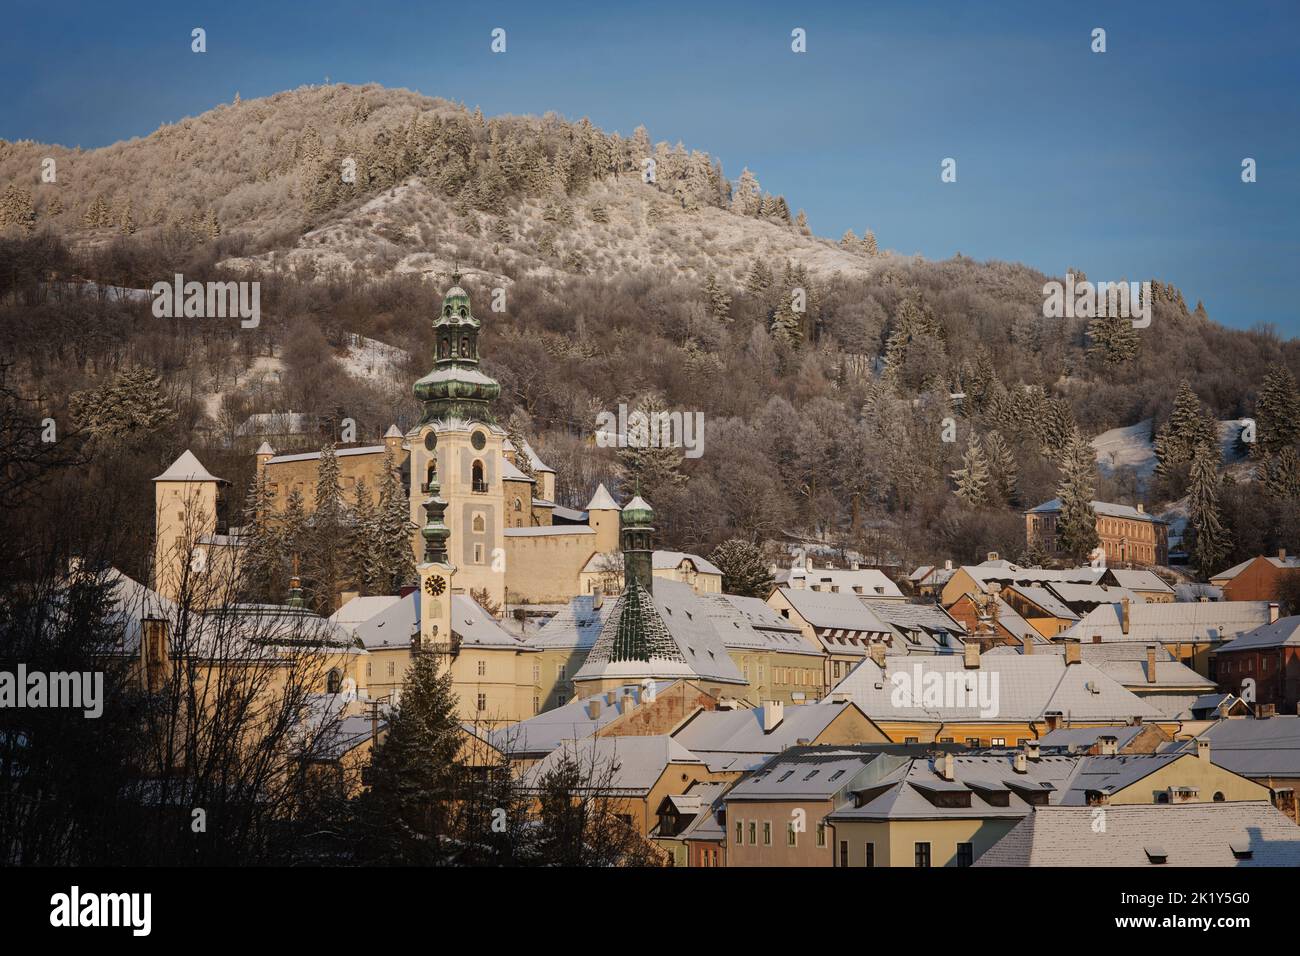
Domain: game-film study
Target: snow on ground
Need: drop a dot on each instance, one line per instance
(264, 365)
(373, 360)
(1128, 446)
(1131, 446)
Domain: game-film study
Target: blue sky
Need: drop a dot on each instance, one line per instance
(1125, 164)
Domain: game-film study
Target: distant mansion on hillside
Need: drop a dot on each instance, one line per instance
(1128, 535)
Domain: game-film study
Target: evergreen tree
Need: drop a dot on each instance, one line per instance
(759, 279)
(849, 240)
(365, 557)
(717, 301)
(397, 566)
(973, 476)
(645, 465)
(407, 815)
(1076, 527)
(323, 564)
(869, 244)
(1112, 339)
(261, 548)
(1187, 430)
(130, 407)
(1280, 474)
(1211, 540)
(1277, 412)
(293, 532)
(743, 569)
(1003, 472)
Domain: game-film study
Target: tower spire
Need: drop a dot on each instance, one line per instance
(456, 388)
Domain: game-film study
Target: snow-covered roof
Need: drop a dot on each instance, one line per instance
(548, 529)
(1187, 622)
(338, 453)
(1105, 508)
(602, 500)
(1027, 689)
(188, 468)
(510, 473)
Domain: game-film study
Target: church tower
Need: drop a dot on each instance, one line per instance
(436, 573)
(457, 449)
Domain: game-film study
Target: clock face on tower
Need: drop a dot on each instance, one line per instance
(435, 584)
(430, 439)
(478, 440)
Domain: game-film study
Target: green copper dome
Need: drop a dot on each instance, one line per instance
(637, 513)
(456, 388)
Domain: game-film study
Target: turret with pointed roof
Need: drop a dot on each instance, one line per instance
(456, 388)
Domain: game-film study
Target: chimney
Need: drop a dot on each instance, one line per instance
(1281, 554)
(1141, 508)
(1033, 750)
(943, 766)
(629, 703)
(593, 708)
(878, 654)
(1265, 711)
(1053, 719)
(1151, 663)
(947, 565)
(1272, 612)
(1018, 763)
(1123, 615)
(1026, 644)
(598, 598)
(972, 655)
(1109, 745)
(773, 714)
(993, 555)
(1203, 749)
(807, 563)
(1096, 638)
(1073, 651)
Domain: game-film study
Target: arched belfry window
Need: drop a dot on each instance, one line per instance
(476, 473)
(444, 347)
(334, 683)
(464, 346)
(519, 505)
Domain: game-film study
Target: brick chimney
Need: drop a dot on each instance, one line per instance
(773, 714)
(1272, 612)
(1108, 745)
(593, 708)
(1123, 615)
(1018, 763)
(878, 654)
(1054, 720)
(947, 565)
(1026, 645)
(629, 703)
(1203, 749)
(1033, 750)
(993, 555)
(943, 766)
(971, 655)
(1073, 651)
(1281, 554)
(1096, 638)
(1151, 663)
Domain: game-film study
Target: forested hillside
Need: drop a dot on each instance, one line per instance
(678, 293)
